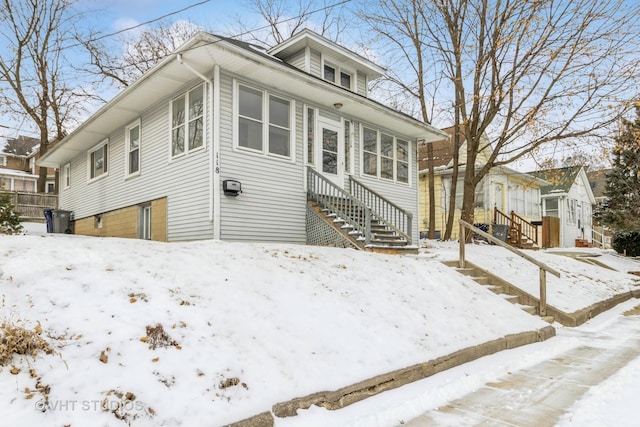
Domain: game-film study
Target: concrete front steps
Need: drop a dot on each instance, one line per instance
(498, 286)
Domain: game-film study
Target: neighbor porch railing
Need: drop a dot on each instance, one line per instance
(543, 267)
(332, 197)
(600, 240)
(30, 206)
(386, 211)
(517, 223)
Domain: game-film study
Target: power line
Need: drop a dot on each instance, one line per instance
(124, 30)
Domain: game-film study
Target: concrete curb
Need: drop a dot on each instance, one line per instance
(347, 395)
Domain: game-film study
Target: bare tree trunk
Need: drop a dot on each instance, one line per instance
(432, 196)
(454, 177)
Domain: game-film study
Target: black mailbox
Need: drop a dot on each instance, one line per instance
(231, 187)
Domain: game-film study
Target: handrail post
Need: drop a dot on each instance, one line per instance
(543, 292)
(461, 239)
(367, 225)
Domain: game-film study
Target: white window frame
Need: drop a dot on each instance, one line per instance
(3, 160)
(379, 155)
(66, 173)
(348, 145)
(309, 132)
(187, 121)
(127, 154)
(104, 145)
(146, 221)
(338, 71)
(571, 206)
(265, 122)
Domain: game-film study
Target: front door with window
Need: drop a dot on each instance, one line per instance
(330, 146)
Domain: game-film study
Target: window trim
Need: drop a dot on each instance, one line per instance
(338, 71)
(379, 155)
(187, 121)
(104, 144)
(127, 145)
(3, 160)
(146, 221)
(309, 131)
(67, 175)
(265, 121)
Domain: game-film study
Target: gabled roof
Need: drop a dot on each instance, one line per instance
(598, 181)
(560, 179)
(202, 53)
(308, 38)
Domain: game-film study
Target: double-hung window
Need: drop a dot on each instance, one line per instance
(385, 156)
(132, 136)
(67, 175)
(264, 122)
(187, 121)
(370, 152)
(98, 160)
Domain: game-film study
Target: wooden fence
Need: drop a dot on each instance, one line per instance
(31, 206)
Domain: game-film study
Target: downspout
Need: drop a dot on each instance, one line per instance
(214, 119)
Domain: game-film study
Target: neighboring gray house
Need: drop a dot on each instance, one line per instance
(568, 197)
(223, 140)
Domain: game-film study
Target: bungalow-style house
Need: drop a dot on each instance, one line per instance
(18, 170)
(224, 140)
(569, 198)
(504, 196)
(15, 174)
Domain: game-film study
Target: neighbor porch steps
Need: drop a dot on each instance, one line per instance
(494, 285)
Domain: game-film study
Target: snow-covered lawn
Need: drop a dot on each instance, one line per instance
(236, 327)
(580, 285)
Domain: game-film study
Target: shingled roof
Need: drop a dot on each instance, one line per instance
(561, 179)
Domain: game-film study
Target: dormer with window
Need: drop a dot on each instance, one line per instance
(329, 61)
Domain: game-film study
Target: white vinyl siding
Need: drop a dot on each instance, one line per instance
(272, 207)
(184, 183)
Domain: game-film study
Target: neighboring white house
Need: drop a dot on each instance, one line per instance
(568, 197)
(224, 140)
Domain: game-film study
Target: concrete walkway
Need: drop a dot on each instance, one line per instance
(538, 396)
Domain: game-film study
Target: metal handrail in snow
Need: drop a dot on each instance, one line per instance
(542, 266)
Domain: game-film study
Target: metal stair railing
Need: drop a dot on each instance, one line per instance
(335, 199)
(465, 228)
(392, 215)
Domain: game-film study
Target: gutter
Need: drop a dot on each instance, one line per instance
(213, 94)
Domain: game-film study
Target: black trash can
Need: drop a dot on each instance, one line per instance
(500, 231)
(48, 218)
(61, 221)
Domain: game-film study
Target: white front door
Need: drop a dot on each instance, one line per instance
(331, 150)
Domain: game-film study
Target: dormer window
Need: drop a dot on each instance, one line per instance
(345, 80)
(329, 73)
(337, 76)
